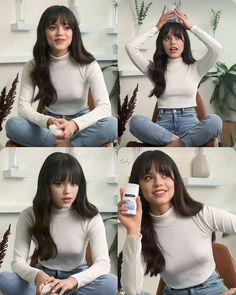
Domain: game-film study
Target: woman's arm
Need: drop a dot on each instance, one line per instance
(100, 96)
(133, 47)
(22, 247)
(27, 90)
(132, 268)
(101, 262)
(217, 220)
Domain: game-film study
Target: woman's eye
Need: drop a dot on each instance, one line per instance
(74, 184)
(58, 183)
(147, 177)
(67, 27)
(51, 28)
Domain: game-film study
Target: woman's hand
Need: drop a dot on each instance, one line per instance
(183, 19)
(165, 17)
(60, 286)
(230, 292)
(40, 280)
(52, 121)
(132, 223)
(68, 128)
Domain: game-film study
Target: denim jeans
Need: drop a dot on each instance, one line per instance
(181, 122)
(12, 284)
(26, 133)
(212, 286)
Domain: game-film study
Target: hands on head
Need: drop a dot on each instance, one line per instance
(132, 223)
(57, 285)
(166, 16)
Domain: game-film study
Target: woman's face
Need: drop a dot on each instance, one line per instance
(173, 45)
(158, 190)
(63, 193)
(59, 38)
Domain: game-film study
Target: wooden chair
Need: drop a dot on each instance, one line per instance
(201, 114)
(225, 265)
(40, 109)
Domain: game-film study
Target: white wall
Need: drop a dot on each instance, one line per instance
(96, 16)
(97, 164)
(222, 162)
(199, 14)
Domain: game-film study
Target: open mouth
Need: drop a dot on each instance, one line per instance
(173, 49)
(66, 200)
(159, 193)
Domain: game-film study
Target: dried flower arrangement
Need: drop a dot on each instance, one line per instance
(7, 100)
(215, 19)
(142, 11)
(3, 244)
(125, 111)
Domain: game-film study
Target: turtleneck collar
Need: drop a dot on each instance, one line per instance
(61, 212)
(175, 60)
(59, 58)
(166, 219)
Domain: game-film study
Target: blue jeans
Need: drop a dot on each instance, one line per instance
(181, 122)
(12, 284)
(23, 132)
(212, 286)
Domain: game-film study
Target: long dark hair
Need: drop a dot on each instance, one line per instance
(157, 68)
(40, 73)
(57, 167)
(183, 204)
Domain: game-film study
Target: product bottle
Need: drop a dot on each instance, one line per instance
(130, 194)
(200, 165)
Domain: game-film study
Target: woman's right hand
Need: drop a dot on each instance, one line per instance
(132, 223)
(165, 17)
(52, 121)
(40, 280)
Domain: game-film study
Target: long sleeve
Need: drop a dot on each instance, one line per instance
(213, 51)
(132, 270)
(217, 220)
(133, 50)
(101, 262)
(26, 95)
(100, 96)
(22, 247)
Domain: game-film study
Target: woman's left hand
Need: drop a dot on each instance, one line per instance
(183, 18)
(68, 128)
(229, 292)
(62, 285)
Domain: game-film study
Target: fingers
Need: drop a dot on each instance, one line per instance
(164, 10)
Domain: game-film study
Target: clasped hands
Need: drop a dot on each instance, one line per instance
(58, 286)
(167, 15)
(68, 127)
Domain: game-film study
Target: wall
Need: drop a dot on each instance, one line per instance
(199, 15)
(222, 166)
(16, 194)
(16, 47)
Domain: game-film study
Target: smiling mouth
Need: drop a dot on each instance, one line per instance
(159, 192)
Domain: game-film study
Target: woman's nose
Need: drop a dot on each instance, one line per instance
(67, 189)
(158, 180)
(59, 31)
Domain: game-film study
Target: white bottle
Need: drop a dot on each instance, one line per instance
(47, 289)
(130, 194)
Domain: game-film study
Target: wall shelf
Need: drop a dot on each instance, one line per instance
(15, 173)
(13, 208)
(111, 31)
(202, 182)
(130, 73)
(112, 179)
(23, 27)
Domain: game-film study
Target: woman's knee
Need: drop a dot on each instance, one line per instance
(112, 129)
(110, 283)
(215, 123)
(136, 123)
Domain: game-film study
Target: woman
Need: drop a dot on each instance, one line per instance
(63, 71)
(61, 223)
(171, 233)
(175, 76)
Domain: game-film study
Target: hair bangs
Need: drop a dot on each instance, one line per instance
(173, 29)
(60, 13)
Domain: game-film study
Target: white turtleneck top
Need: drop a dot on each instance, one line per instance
(71, 82)
(186, 246)
(71, 233)
(181, 79)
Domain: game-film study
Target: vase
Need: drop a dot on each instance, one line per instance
(74, 7)
(20, 10)
(138, 29)
(200, 165)
(114, 15)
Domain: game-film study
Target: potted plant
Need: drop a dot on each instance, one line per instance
(141, 13)
(224, 96)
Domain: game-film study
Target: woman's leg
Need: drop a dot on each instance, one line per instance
(103, 285)
(26, 133)
(149, 132)
(104, 131)
(12, 284)
(207, 129)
